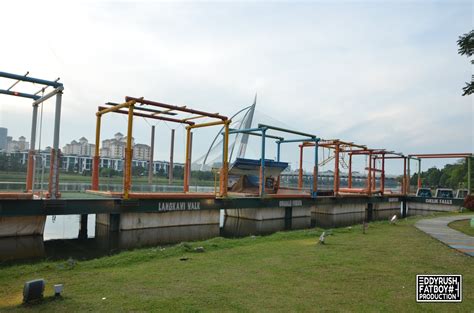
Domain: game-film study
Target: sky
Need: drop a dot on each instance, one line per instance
(385, 74)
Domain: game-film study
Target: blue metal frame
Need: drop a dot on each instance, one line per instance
(261, 130)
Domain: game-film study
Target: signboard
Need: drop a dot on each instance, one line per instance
(290, 203)
(178, 206)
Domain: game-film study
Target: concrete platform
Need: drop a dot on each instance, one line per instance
(269, 213)
(129, 221)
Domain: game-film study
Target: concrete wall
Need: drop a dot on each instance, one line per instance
(336, 220)
(417, 206)
(22, 226)
(130, 221)
(128, 239)
(339, 208)
(267, 213)
(24, 247)
(239, 227)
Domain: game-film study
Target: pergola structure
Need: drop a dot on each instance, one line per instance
(467, 156)
(261, 131)
(353, 149)
(383, 155)
(53, 186)
(155, 110)
(339, 147)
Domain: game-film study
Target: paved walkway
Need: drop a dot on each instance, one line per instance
(438, 228)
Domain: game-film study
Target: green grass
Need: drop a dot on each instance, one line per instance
(284, 272)
(463, 226)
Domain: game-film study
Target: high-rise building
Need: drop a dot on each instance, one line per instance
(83, 147)
(3, 138)
(17, 145)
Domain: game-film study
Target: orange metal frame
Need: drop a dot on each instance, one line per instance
(130, 108)
(338, 146)
(466, 156)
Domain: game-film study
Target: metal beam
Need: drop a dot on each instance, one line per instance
(19, 94)
(56, 91)
(441, 155)
(286, 130)
(31, 79)
(162, 118)
(176, 108)
(167, 112)
(295, 140)
(15, 83)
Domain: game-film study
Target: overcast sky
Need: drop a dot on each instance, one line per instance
(386, 75)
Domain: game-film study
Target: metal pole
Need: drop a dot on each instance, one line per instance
(186, 165)
(349, 179)
(150, 163)
(96, 160)
(278, 150)
(127, 182)
(404, 184)
(300, 172)
(171, 165)
(469, 175)
(419, 173)
(336, 170)
(374, 167)
(408, 175)
(225, 161)
(262, 165)
(315, 171)
(382, 176)
(54, 166)
(31, 152)
(369, 175)
(190, 158)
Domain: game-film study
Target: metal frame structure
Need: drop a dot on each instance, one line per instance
(352, 149)
(382, 154)
(133, 107)
(338, 146)
(261, 131)
(467, 156)
(53, 186)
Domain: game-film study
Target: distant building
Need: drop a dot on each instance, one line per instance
(81, 147)
(115, 148)
(3, 138)
(17, 145)
(141, 152)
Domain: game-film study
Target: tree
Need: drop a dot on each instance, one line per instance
(466, 47)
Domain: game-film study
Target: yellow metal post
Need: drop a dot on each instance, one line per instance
(225, 162)
(95, 165)
(127, 182)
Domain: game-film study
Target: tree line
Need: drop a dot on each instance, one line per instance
(451, 176)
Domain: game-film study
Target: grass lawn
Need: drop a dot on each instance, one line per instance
(283, 272)
(463, 226)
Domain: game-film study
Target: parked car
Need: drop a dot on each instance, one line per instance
(424, 192)
(444, 193)
(462, 193)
